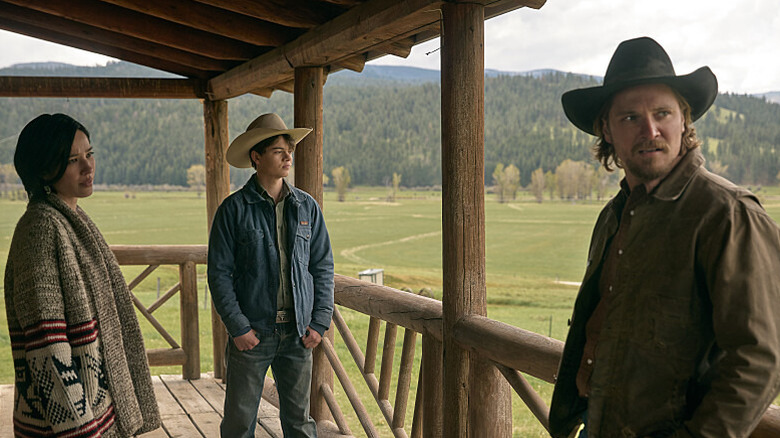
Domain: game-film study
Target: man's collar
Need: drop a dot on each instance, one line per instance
(254, 192)
(264, 193)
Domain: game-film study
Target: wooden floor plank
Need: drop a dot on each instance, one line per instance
(180, 426)
(207, 423)
(157, 433)
(6, 410)
(268, 417)
(212, 392)
(329, 429)
(186, 394)
(203, 400)
(168, 405)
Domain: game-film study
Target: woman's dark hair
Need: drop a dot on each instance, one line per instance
(263, 145)
(43, 149)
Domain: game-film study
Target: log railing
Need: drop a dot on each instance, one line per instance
(187, 352)
(512, 350)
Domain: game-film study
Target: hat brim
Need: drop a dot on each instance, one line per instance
(583, 105)
(238, 151)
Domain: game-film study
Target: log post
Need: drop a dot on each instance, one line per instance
(190, 332)
(471, 407)
(431, 387)
(307, 103)
(308, 114)
(215, 116)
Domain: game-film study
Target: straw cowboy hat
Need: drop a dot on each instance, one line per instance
(636, 62)
(265, 126)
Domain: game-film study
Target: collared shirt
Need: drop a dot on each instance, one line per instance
(607, 281)
(284, 297)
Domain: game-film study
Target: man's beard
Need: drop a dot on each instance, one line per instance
(650, 171)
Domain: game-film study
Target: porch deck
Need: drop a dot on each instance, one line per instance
(189, 408)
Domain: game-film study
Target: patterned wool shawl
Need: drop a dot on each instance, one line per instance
(96, 291)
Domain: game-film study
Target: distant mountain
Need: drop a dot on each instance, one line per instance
(415, 75)
(385, 120)
(112, 69)
(371, 74)
(773, 96)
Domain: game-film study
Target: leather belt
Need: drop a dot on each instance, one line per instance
(284, 316)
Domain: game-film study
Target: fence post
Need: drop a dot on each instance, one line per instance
(432, 380)
(190, 341)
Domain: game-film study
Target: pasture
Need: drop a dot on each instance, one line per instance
(533, 252)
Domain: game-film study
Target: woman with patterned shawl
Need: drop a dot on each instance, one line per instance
(79, 359)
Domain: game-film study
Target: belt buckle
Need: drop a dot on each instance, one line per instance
(283, 316)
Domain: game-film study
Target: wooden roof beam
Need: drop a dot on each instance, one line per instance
(123, 21)
(355, 63)
(360, 28)
(214, 20)
(160, 58)
(288, 86)
(494, 8)
(291, 13)
(347, 3)
(137, 88)
(375, 21)
(417, 36)
(401, 48)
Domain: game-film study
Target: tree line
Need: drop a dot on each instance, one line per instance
(375, 128)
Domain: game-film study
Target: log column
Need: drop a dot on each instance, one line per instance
(471, 385)
(307, 103)
(215, 115)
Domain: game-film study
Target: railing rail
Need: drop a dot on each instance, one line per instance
(187, 257)
(512, 350)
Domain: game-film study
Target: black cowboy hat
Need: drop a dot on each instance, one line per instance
(636, 62)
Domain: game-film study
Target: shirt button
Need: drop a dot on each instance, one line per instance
(620, 252)
(631, 212)
(610, 288)
(590, 361)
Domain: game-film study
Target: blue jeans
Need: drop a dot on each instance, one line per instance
(584, 431)
(290, 363)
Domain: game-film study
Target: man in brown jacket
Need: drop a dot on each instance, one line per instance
(676, 328)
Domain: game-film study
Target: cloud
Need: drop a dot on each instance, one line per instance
(18, 49)
(738, 40)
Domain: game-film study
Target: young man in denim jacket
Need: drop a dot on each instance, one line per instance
(270, 270)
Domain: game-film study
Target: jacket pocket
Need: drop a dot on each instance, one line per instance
(303, 244)
(249, 251)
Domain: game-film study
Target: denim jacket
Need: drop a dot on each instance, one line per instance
(243, 262)
(690, 345)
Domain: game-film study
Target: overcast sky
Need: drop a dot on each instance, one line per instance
(738, 40)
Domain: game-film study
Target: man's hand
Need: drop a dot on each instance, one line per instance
(311, 339)
(247, 341)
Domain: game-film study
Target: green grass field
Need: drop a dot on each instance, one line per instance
(531, 251)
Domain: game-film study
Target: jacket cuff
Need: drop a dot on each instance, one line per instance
(243, 331)
(319, 328)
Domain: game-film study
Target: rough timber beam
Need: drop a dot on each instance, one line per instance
(291, 13)
(137, 88)
(131, 23)
(214, 20)
(350, 34)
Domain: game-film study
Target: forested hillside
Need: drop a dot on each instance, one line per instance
(376, 126)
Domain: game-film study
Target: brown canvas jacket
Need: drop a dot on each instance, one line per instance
(691, 342)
